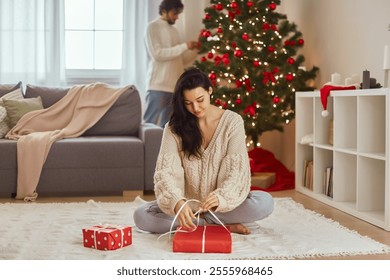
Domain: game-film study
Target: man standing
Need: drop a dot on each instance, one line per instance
(168, 57)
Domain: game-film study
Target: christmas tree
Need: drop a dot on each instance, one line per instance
(249, 52)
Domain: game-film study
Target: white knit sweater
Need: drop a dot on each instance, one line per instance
(223, 169)
(168, 55)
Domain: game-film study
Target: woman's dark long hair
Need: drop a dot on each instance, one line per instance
(182, 122)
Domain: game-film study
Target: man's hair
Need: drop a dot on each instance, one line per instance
(168, 5)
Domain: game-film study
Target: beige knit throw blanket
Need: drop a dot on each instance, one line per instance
(70, 117)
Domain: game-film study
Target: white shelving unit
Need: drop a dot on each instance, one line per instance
(359, 154)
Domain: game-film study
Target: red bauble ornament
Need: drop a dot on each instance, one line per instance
(212, 76)
(274, 27)
(217, 102)
(204, 58)
(276, 100)
(219, 30)
(239, 83)
(271, 49)
(290, 60)
(272, 6)
(289, 77)
(250, 109)
(301, 42)
(234, 5)
(206, 33)
(238, 101)
(231, 15)
(210, 55)
(224, 105)
(207, 16)
(225, 59)
(256, 63)
(248, 84)
(249, 4)
(265, 26)
(219, 7)
(245, 36)
(234, 45)
(238, 53)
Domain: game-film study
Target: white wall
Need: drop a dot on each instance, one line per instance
(345, 36)
(190, 21)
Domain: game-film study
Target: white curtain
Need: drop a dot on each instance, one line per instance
(137, 14)
(31, 40)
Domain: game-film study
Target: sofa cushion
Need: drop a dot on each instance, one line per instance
(5, 120)
(83, 152)
(123, 118)
(17, 108)
(96, 152)
(6, 88)
(4, 128)
(8, 154)
(49, 95)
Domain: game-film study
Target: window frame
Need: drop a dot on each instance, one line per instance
(82, 76)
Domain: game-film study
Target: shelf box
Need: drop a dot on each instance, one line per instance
(321, 124)
(304, 104)
(323, 159)
(345, 122)
(372, 124)
(371, 184)
(344, 177)
(305, 155)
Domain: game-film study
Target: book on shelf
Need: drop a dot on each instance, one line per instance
(305, 162)
(328, 181)
(307, 179)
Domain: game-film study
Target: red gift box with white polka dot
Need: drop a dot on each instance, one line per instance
(107, 237)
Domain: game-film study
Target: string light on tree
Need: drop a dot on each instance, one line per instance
(250, 52)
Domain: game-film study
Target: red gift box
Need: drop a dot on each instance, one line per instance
(107, 237)
(204, 239)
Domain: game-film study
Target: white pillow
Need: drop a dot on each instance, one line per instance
(13, 95)
(3, 122)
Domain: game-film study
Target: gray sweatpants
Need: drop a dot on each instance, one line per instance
(257, 206)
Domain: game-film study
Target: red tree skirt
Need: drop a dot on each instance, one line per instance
(265, 161)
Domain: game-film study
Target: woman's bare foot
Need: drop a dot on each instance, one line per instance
(235, 228)
(239, 228)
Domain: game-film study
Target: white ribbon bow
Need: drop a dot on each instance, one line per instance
(107, 226)
(197, 214)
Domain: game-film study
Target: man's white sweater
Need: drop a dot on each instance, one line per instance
(168, 55)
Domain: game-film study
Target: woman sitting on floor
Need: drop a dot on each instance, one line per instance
(202, 157)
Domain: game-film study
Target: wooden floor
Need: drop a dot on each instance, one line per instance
(344, 219)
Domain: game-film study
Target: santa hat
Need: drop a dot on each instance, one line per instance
(325, 91)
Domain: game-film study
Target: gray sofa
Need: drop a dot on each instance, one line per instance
(117, 154)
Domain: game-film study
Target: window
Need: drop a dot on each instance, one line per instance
(93, 39)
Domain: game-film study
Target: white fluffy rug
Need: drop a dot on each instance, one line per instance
(45, 231)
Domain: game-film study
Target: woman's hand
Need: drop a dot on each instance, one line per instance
(211, 203)
(186, 215)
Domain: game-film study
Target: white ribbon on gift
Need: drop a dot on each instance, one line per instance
(197, 214)
(99, 228)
